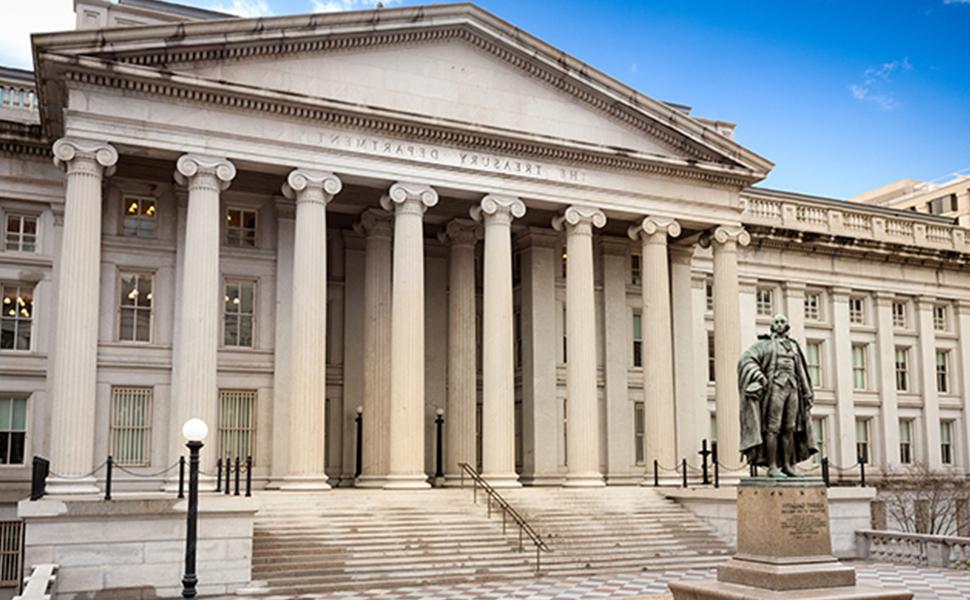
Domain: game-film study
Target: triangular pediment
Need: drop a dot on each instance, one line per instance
(456, 66)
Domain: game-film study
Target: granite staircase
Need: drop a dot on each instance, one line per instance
(361, 539)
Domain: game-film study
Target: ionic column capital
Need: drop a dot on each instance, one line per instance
(408, 197)
(460, 232)
(579, 220)
(76, 155)
(496, 209)
(654, 228)
(374, 222)
(726, 234)
(309, 185)
(198, 170)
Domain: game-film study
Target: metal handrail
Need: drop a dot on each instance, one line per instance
(507, 511)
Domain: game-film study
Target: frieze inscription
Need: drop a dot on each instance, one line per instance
(803, 520)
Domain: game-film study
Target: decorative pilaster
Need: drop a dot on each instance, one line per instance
(617, 359)
(377, 226)
(312, 191)
(74, 367)
(929, 451)
(461, 235)
(194, 387)
(888, 397)
(844, 447)
(658, 349)
(582, 407)
(727, 338)
(408, 201)
(498, 394)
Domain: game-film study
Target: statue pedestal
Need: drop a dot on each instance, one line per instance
(784, 549)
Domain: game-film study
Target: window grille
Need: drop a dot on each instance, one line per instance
(639, 428)
(21, 233)
(237, 424)
(17, 317)
(11, 553)
(131, 426)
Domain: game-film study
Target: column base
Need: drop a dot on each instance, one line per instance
(497, 480)
(305, 483)
(371, 482)
(72, 487)
(407, 482)
(454, 480)
(584, 480)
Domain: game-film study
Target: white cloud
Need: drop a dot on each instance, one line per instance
(956, 1)
(342, 5)
(242, 8)
(34, 16)
(876, 81)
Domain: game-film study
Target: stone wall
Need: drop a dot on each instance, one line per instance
(134, 547)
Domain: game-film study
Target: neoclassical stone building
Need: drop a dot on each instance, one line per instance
(275, 223)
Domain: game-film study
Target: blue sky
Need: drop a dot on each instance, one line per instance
(841, 96)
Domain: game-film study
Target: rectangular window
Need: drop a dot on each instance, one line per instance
(241, 227)
(21, 233)
(17, 317)
(857, 310)
(902, 369)
(13, 430)
(565, 260)
(765, 301)
(710, 357)
(818, 427)
(860, 359)
(237, 424)
(135, 306)
(813, 356)
(637, 341)
(139, 218)
(939, 317)
(899, 315)
(943, 371)
(130, 427)
(813, 306)
(11, 552)
(239, 313)
(635, 269)
(639, 428)
(709, 295)
(946, 442)
(906, 441)
(862, 440)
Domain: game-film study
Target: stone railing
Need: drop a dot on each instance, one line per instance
(947, 552)
(822, 217)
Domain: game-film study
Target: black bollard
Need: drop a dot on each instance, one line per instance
(656, 474)
(236, 493)
(717, 467)
(360, 441)
(249, 476)
(683, 467)
(107, 481)
(228, 491)
(181, 477)
(704, 454)
(218, 475)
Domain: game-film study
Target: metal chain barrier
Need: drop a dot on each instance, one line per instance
(76, 477)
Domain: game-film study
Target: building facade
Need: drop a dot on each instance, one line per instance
(278, 224)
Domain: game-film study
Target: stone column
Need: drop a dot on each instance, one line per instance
(498, 393)
(845, 450)
(727, 339)
(461, 234)
(617, 359)
(312, 190)
(658, 348)
(962, 309)
(74, 366)
(194, 389)
(376, 225)
(582, 405)
(888, 401)
(408, 202)
(693, 421)
(795, 310)
(930, 443)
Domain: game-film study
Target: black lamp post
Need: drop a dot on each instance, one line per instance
(194, 431)
(359, 420)
(439, 422)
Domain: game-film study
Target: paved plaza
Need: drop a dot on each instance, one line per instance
(925, 584)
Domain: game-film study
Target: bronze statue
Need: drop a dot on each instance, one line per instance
(776, 402)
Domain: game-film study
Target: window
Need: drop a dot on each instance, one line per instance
(237, 424)
(813, 306)
(135, 323)
(637, 341)
(943, 371)
(813, 356)
(860, 376)
(939, 317)
(862, 440)
(638, 432)
(899, 315)
(709, 294)
(902, 369)
(857, 310)
(139, 218)
(564, 262)
(765, 302)
(241, 227)
(13, 430)
(11, 553)
(710, 357)
(906, 441)
(946, 442)
(239, 313)
(938, 206)
(21, 233)
(563, 333)
(818, 428)
(131, 426)
(635, 269)
(17, 317)
(516, 337)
